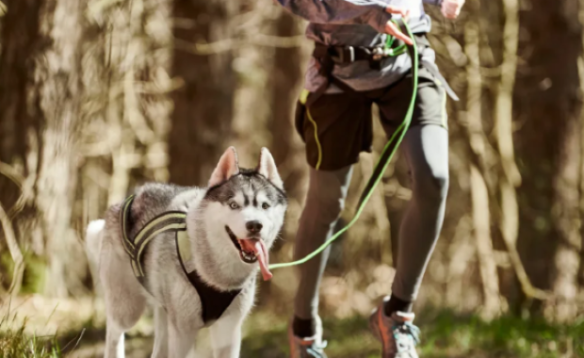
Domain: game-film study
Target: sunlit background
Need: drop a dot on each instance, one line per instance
(97, 96)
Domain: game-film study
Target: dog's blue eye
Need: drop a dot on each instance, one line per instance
(265, 206)
(233, 205)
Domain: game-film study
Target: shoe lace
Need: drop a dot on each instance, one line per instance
(403, 332)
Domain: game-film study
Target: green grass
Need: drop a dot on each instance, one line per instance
(449, 335)
(14, 343)
(34, 271)
(444, 335)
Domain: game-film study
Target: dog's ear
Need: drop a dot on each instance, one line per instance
(267, 168)
(226, 168)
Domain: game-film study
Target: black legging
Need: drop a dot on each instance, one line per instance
(426, 150)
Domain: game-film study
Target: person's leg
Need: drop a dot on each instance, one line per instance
(426, 150)
(324, 202)
(335, 128)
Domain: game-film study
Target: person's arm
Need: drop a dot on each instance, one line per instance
(451, 8)
(371, 12)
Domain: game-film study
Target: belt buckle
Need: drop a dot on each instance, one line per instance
(378, 53)
(351, 54)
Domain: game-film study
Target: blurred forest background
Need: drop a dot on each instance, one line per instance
(97, 96)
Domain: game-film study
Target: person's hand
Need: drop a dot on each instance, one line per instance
(392, 29)
(451, 8)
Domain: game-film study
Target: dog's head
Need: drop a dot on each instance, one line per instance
(244, 209)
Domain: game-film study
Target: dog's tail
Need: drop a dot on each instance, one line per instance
(93, 245)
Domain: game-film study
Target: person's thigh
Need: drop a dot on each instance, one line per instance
(336, 128)
(430, 105)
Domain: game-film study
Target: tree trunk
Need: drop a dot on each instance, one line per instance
(58, 77)
(549, 103)
(19, 114)
(503, 117)
(480, 195)
(566, 211)
(287, 79)
(566, 214)
(40, 97)
(580, 278)
(203, 107)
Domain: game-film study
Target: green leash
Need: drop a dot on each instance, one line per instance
(386, 154)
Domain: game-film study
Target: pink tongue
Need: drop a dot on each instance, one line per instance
(258, 248)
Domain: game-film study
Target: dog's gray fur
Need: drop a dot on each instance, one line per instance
(176, 302)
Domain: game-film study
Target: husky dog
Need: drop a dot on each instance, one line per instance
(228, 229)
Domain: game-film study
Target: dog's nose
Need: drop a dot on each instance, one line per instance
(253, 226)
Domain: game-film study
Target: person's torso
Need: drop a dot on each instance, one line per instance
(359, 75)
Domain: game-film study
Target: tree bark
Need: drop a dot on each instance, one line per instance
(286, 81)
(203, 107)
(19, 113)
(20, 124)
(58, 77)
(478, 187)
(580, 277)
(511, 178)
(566, 214)
(547, 97)
(40, 94)
(503, 116)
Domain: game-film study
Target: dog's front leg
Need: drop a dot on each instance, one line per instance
(180, 339)
(226, 336)
(114, 341)
(160, 349)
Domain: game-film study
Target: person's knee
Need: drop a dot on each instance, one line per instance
(326, 196)
(442, 181)
(326, 204)
(432, 185)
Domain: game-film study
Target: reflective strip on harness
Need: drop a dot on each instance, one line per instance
(165, 219)
(184, 246)
(170, 221)
(144, 243)
(128, 244)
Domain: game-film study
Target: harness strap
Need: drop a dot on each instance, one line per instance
(126, 222)
(213, 301)
(433, 69)
(135, 247)
(329, 56)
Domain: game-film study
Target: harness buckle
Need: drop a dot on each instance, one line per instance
(380, 53)
(341, 58)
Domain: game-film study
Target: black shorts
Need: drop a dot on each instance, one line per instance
(337, 127)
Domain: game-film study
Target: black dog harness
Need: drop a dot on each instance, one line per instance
(213, 301)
